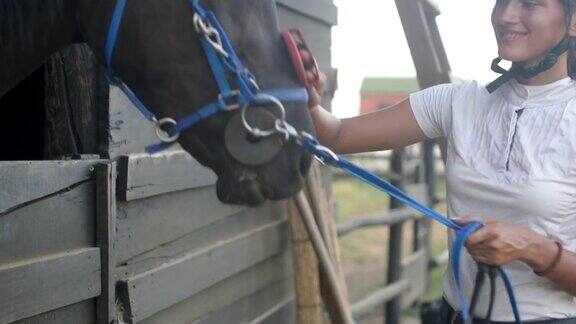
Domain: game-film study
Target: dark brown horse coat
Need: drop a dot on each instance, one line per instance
(158, 55)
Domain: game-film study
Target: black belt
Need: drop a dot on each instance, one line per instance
(448, 314)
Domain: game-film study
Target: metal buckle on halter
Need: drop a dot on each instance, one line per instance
(162, 134)
(282, 127)
(231, 101)
(323, 154)
(256, 131)
(210, 33)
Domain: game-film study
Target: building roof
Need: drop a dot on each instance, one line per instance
(381, 85)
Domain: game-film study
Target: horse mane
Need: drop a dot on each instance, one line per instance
(17, 17)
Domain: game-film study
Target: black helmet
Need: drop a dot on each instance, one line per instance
(549, 60)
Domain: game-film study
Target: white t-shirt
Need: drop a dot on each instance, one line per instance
(511, 156)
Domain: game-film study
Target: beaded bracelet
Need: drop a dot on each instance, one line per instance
(554, 263)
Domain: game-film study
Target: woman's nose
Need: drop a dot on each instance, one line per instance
(508, 12)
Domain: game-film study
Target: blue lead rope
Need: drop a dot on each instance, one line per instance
(463, 232)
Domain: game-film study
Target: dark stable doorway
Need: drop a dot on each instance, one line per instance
(23, 120)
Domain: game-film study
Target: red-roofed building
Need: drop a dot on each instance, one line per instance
(378, 92)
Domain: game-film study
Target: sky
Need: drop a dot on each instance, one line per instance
(369, 41)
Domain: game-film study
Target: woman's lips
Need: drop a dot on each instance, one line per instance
(509, 36)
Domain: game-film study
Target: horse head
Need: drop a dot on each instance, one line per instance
(158, 54)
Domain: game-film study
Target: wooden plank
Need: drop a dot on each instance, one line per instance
(282, 313)
(82, 312)
(129, 131)
(74, 97)
(379, 297)
(393, 217)
(176, 280)
(255, 308)
(415, 271)
(106, 240)
(228, 291)
(427, 52)
(306, 270)
(146, 175)
(39, 285)
(201, 239)
(57, 224)
(25, 181)
(143, 225)
(322, 10)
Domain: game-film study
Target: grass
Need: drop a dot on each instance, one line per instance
(364, 252)
(355, 198)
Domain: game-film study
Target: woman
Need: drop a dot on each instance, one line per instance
(511, 159)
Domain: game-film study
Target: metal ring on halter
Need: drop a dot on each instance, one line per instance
(162, 134)
(256, 131)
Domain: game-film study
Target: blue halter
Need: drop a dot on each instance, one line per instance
(224, 67)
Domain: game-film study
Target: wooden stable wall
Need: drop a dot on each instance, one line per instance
(153, 244)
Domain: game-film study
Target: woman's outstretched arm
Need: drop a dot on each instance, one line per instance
(385, 129)
(389, 128)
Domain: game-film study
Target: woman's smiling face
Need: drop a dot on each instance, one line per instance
(526, 30)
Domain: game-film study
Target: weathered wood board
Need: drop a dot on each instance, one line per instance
(224, 293)
(26, 181)
(39, 285)
(256, 308)
(106, 240)
(201, 239)
(179, 279)
(56, 224)
(143, 225)
(82, 312)
(144, 175)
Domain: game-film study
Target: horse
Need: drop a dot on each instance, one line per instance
(159, 56)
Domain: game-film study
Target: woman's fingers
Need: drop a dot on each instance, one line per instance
(481, 236)
(306, 56)
(316, 82)
(315, 88)
(314, 97)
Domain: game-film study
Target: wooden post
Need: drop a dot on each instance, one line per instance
(342, 312)
(76, 94)
(306, 280)
(393, 307)
(432, 68)
(105, 239)
(325, 220)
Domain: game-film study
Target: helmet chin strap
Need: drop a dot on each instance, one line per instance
(518, 70)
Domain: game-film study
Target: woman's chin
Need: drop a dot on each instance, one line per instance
(518, 55)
